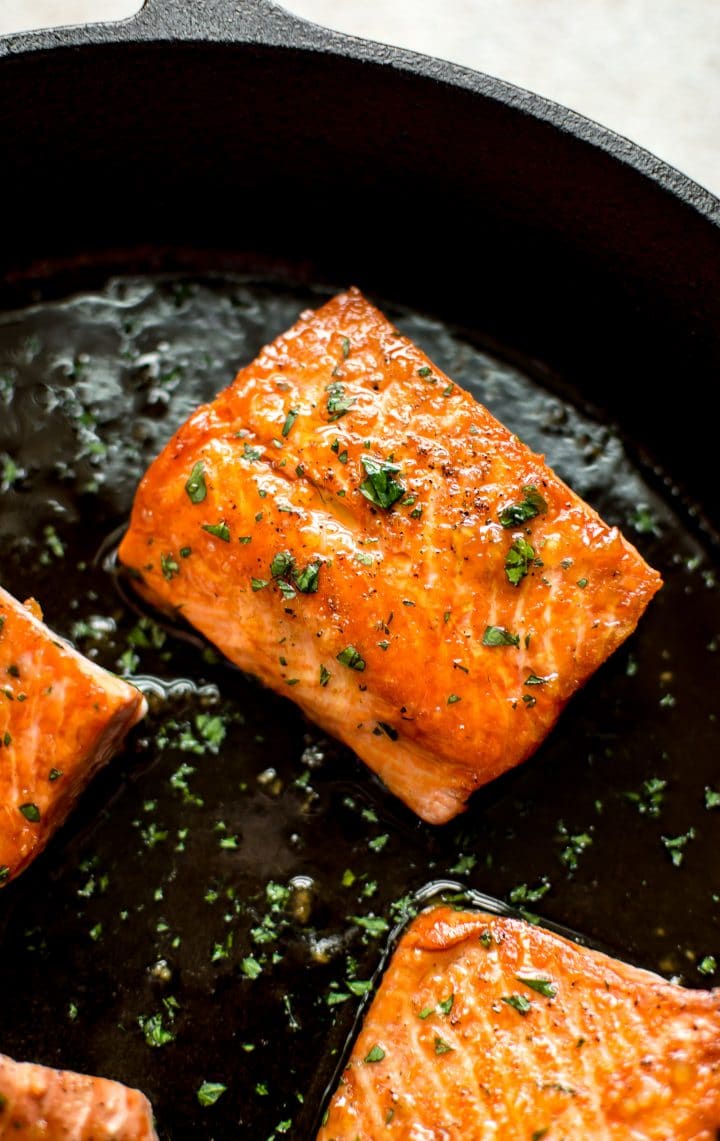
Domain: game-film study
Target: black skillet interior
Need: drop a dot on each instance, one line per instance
(182, 185)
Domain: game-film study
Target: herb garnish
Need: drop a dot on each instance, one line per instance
(307, 580)
(375, 1055)
(209, 1092)
(338, 403)
(545, 987)
(258, 583)
(518, 561)
(251, 454)
(499, 636)
(219, 530)
(169, 567)
(380, 486)
(325, 676)
(675, 845)
(527, 508)
(195, 486)
(441, 1046)
(351, 658)
(31, 812)
(289, 421)
(517, 1002)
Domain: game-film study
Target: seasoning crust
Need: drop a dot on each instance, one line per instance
(487, 1027)
(353, 528)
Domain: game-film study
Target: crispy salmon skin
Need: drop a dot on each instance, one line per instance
(41, 1104)
(61, 718)
(349, 525)
(486, 1028)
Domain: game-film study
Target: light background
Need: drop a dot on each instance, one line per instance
(649, 69)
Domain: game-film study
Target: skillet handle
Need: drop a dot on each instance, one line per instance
(249, 21)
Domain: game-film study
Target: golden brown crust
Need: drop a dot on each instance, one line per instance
(61, 718)
(486, 1027)
(412, 586)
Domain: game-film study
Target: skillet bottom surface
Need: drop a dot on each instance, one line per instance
(221, 896)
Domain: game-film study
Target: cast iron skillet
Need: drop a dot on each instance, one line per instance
(176, 188)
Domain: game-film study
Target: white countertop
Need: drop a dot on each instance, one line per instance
(649, 69)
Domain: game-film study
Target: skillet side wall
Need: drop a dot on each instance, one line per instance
(414, 187)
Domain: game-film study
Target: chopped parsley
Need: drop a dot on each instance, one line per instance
(650, 797)
(375, 1055)
(258, 583)
(31, 812)
(517, 1002)
(708, 965)
(345, 346)
(499, 636)
(250, 967)
(219, 530)
(424, 371)
(351, 658)
(535, 679)
(195, 485)
(325, 676)
(209, 1092)
(453, 698)
(251, 454)
(447, 1003)
(528, 507)
(545, 987)
(712, 798)
(675, 845)
(380, 486)
(338, 403)
(307, 580)
(441, 1046)
(518, 561)
(169, 566)
(154, 1031)
(289, 421)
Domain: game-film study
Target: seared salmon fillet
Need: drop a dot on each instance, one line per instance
(486, 1028)
(61, 718)
(41, 1104)
(349, 525)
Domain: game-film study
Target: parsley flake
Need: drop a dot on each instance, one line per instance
(441, 1046)
(518, 561)
(380, 486)
(517, 1002)
(531, 505)
(219, 530)
(169, 566)
(375, 1055)
(289, 421)
(499, 636)
(209, 1092)
(351, 658)
(545, 987)
(195, 485)
(338, 403)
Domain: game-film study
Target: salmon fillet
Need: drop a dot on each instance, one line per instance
(349, 525)
(41, 1104)
(486, 1028)
(61, 718)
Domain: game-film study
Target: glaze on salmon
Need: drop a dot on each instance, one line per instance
(61, 718)
(486, 1029)
(41, 1104)
(349, 525)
